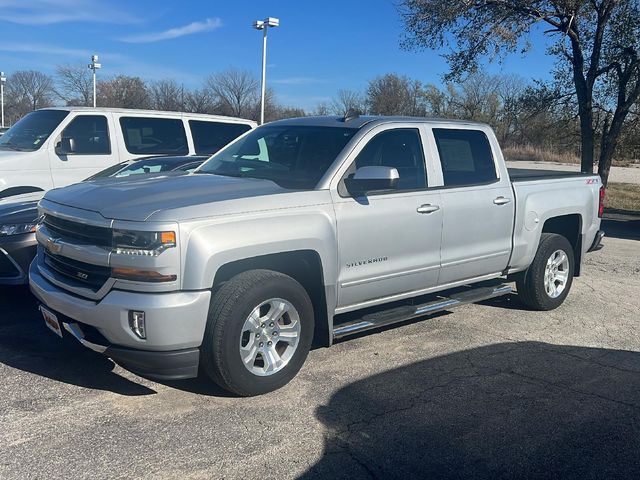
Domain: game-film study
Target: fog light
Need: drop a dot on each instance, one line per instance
(136, 323)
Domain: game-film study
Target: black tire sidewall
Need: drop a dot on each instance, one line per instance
(228, 330)
(534, 280)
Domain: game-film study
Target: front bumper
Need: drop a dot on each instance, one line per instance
(16, 254)
(175, 324)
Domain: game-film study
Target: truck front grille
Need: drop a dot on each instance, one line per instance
(93, 276)
(85, 234)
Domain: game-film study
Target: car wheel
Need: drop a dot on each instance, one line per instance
(547, 281)
(258, 334)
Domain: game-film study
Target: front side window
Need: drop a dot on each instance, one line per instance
(90, 134)
(293, 156)
(32, 130)
(401, 149)
(154, 136)
(209, 137)
(465, 156)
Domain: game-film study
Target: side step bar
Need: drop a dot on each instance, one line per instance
(404, 313)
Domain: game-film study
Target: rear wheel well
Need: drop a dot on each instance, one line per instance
(570, 227)
(304, 266)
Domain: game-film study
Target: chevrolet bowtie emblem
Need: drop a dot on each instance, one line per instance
(53, 246)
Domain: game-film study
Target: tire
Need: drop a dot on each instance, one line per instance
(227, 340)
(532, 284)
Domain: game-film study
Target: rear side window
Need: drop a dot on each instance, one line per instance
(209, 137)
(90, 134)
(400, 148)
(465, 156)
(154, 135)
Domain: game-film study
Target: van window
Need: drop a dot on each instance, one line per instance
(209, 137)
(90, 134)
(32, 130)
(150, 136)
(465, 156)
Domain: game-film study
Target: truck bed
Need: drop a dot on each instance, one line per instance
(528, 174)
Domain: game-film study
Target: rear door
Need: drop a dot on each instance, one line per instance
(95, 149)
(388, 241)
(477, 202)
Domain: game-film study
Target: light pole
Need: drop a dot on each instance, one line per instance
(94, 65)
(264, 26)
(3, 80)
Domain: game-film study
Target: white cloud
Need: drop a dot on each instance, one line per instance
(194, 27)
(47, 12)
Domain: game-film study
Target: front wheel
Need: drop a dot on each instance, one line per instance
(547, 281)
(258, 333)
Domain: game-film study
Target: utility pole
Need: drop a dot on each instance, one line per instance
(264, 26)
(94, 65)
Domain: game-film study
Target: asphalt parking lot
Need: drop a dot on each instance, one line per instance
(486, 391)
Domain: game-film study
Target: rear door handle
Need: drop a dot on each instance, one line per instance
(427, 208)
(501, 200)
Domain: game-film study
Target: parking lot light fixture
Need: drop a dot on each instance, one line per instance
(3, 80)
(94, 65)
(264, 25)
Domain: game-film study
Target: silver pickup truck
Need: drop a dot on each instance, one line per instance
(303, 231)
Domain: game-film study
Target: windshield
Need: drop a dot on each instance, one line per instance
(32, 130)
(294, 157)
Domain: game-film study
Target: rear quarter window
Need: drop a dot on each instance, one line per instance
(465, 157)
(143, 135)
(209, 137)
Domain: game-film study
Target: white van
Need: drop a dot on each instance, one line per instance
(54, 147)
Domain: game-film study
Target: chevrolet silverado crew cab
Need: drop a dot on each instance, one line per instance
(304, 230)
(55, 147)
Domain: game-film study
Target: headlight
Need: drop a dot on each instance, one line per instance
(17, 228)
(130, 242)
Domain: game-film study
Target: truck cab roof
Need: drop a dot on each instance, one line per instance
(357, 122)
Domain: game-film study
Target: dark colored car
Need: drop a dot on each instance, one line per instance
(18, 214)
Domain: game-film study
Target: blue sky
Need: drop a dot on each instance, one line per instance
(319, 47)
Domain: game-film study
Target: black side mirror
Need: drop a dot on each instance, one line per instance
(369, 179)
(65, 146)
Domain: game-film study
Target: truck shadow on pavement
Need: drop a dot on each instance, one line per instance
(509, 410)
(621, 224)
(26, 344)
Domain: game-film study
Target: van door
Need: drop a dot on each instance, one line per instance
(388, 241)
(477, 203)
(84, 147)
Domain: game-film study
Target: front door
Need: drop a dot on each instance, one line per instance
(388, 242)
(92, 150)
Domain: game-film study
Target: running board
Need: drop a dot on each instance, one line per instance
(408, 312)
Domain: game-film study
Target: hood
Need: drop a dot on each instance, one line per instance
(19, 211)
(137, 197)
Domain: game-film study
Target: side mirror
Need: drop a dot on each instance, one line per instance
(369, 179)
(65, 146)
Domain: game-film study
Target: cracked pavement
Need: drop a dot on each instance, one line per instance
(485, 391)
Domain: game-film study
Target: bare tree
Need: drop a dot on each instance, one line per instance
(31, 89)
(322, 108)
(167, 95)
(391, 94)
(74, 85)
(199, 101)
(347, 101)
(235, 92)
(123, 92)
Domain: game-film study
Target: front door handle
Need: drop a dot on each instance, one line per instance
(427, 208)
(501, 200)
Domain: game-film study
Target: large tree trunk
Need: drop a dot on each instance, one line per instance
(608, 146)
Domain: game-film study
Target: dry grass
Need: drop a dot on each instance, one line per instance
(623, 196)
(535, 154)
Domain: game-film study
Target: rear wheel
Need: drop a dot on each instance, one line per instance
(547, 281)
(258, 333)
